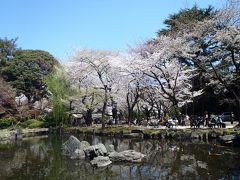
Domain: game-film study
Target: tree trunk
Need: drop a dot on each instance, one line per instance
(159, 113)
(104, 107)
(130, 115)
(88, 117)
(147, 113)
(103, 114)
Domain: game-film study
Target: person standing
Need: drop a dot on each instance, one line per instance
(115, 115)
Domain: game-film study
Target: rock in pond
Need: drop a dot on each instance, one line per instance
(100, 161)
(69, 147)
(110, 148)
(84, 145)
(78, 154)
(96, 150)
(127, 156)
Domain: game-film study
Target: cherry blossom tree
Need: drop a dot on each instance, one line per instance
(153, 101)
(94, 69)
(214, 47)
(129, 88)
(165, 72)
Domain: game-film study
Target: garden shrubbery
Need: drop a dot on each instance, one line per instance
(12, 122)
(7, 122)
(32, 123)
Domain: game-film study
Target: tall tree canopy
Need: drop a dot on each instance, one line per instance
(25, 69)
(186, 17)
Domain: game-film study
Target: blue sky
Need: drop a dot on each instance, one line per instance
(59, 25)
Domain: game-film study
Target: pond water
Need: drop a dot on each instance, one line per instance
(40, 158)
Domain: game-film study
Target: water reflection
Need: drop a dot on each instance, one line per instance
(40, 158)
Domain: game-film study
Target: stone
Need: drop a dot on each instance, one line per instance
(44, 103)
(127, 156)
(21, 100)
(78, 154)
(96, 150)
(69, 147)
(100, 161)
(110, 148)
(84, 145)
(47, 110)
(37, 105)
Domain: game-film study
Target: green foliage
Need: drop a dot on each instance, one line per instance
(43, 59)
(58, 85)
(174, 111)
(186, 17)
(7, 146)
(32, 123)
(26, 69)
(59, 113)
(7, 122)
(139, 115)
(25, 76)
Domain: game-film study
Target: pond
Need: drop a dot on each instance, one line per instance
(40, 158)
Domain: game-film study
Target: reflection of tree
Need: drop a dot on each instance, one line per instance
(42, 159)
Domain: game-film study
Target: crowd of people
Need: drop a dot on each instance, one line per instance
(194, 121)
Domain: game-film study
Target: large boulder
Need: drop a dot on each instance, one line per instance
(84, 145)
(70, 146)
(100, 161)
(96, 150)
(127, 156)
(78, 154)
(110, 148)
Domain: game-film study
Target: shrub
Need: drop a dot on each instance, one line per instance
(32, 123)
(7, 122)
(61, 90)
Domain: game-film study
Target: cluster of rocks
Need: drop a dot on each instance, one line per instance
(42, 104)
(99, 154)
